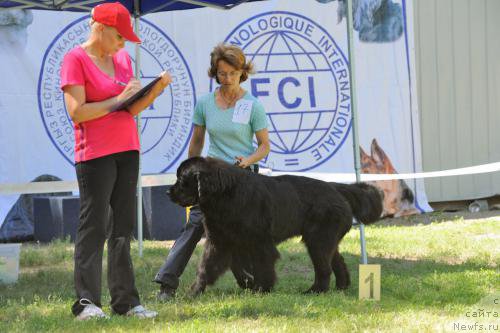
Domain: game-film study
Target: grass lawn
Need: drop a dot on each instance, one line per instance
(435, 277)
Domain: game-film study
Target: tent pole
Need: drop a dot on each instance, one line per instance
(138, 120)
(354, 112)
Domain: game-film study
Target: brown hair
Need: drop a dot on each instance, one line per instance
(234, 56)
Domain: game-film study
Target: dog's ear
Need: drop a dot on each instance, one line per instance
(378, 154)
(364, 156)
(217, 180)
(367, 163)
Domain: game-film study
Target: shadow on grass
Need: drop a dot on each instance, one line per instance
(406, 284)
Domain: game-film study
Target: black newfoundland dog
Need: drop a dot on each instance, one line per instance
(247, 215)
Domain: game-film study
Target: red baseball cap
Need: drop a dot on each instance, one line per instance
(115, 15)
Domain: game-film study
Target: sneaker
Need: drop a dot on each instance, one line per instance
(166, 294)
(90, 311)
(140, 312)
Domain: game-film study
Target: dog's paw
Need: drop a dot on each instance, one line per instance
(245, 283)
(341, 287)
(196, 290)
(262, 289)
(316, 290)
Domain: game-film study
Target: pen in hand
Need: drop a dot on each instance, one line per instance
(123, 84)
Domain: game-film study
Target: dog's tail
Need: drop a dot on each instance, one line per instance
(366, 200)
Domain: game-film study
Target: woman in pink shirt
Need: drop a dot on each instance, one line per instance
(96, 76)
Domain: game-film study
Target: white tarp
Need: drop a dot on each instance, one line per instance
(299, 49)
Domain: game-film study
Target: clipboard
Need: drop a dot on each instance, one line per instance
(132, 99)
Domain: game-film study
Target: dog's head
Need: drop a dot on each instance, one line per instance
(199, 177)
(398, 197)
(185, 190)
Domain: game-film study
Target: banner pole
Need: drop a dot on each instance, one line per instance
(354, 112)
(138, 120)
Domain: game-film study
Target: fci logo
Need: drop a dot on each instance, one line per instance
(302, 79)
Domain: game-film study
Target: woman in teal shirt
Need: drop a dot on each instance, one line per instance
(232, 117)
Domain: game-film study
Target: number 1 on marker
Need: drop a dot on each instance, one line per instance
(369, 282)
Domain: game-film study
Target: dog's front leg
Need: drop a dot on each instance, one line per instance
(214, 263)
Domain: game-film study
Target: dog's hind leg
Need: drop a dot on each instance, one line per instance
(215, 261)
(342, 277)
(320, 249)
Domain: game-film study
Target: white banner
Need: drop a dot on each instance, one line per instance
(299, 49)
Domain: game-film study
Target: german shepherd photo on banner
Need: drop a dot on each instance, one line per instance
(398, 197)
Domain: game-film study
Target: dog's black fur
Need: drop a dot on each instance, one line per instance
(247, 214)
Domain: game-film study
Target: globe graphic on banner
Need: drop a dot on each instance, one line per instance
(302, 80)
(287, 54)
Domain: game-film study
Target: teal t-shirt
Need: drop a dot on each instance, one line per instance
(229, 138)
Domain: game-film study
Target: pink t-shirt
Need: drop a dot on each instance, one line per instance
(113, 133)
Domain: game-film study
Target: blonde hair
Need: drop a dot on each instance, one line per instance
(234, 56)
